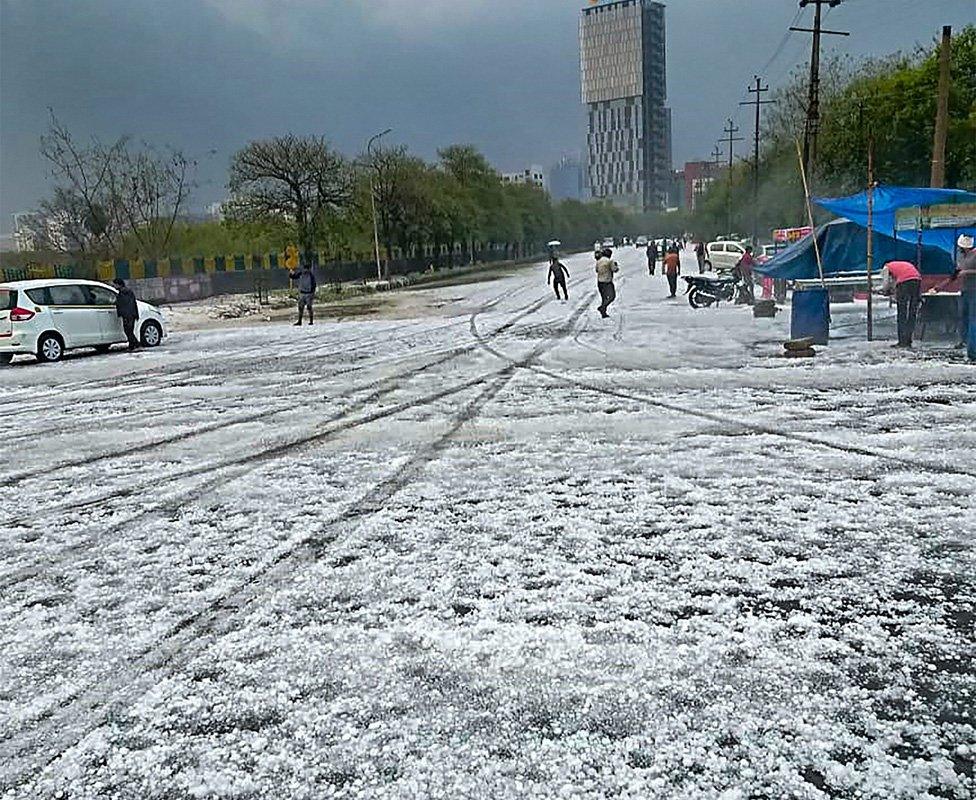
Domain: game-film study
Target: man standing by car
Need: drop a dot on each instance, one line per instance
(306, 291)
(128, 310)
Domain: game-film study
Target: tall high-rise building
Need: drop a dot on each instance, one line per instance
(624, 82)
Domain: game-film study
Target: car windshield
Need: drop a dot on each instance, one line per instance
(8, 299)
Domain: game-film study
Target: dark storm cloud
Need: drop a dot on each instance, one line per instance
(207, 75)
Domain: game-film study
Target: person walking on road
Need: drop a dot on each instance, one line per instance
(557, 277)
(672, 269)
(700, 255)
(605, 268)
(905, 281)
(651, 256)
(306, 291)
(128, 311)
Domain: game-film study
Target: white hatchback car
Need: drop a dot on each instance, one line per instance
(46, 317)
(724, 255)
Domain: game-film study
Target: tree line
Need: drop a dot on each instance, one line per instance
(890, 101)
(123, 200)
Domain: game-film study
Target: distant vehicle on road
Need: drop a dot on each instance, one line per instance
(45, 318)
(609, 241)
(722, 256)
(640, 241)
(766, 252)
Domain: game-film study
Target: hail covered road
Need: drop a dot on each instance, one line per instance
(504, 549)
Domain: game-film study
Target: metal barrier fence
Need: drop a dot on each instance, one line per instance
(333, 270)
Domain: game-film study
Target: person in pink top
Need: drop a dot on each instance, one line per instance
(904, 279)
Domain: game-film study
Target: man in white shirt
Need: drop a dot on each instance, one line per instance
(605, 267)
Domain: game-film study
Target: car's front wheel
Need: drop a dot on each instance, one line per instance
(152, 334)
(6, 358)
(50, 348)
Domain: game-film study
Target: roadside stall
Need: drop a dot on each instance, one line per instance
(931, 220)
(843, 257)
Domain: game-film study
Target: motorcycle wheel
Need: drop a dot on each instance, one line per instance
(698, 299)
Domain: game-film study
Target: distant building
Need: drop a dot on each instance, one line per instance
(215, 211)
(624, 88)
(698, 176)
(677, 194)
(566, 179)
(533, 175)
(34, 231)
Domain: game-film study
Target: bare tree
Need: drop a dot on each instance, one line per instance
(148, 191)
(299, 179)
(111, 196)
(82, 173)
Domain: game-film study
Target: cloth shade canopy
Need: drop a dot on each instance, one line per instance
(843, 248)
(890, 200)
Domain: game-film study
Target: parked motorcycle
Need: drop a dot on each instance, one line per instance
(706, 290)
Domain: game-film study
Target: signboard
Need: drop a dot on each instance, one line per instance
(945, 215)
(790, 235)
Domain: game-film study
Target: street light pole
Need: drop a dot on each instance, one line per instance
(372, 202)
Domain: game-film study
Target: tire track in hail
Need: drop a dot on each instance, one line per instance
(186, 639)
(339, 423)
(15, 478)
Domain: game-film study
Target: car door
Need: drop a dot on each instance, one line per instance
(736, 251)
(716, 255)
(110, 325)
(75, 316)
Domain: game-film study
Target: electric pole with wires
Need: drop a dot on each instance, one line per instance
(731, 129)
(758, 90)
(812, 126)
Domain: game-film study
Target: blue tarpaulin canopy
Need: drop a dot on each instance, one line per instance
(843, 248)
(890, 200)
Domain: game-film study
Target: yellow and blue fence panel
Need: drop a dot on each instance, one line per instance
(136, 269)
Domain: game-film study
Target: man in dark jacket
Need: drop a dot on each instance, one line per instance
(651, 256)
(306, 291)
(128, 310)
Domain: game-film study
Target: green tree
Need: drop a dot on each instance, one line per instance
(299, 181)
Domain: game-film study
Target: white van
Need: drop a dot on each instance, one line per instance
(46, 317)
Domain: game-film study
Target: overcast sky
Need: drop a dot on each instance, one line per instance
(208, 75)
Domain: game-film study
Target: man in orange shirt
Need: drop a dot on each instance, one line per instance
(672, 268)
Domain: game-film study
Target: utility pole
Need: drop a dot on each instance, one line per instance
(758, 90)
(812, 127)
(372, 201)
(871, 187)
(942, 112)
(716, 156)
(731, 129)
